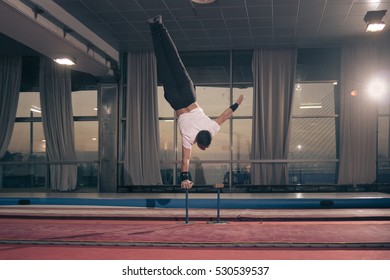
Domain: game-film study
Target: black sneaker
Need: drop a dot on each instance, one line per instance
(155, 20)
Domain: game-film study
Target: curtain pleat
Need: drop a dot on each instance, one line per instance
(358, 114)
(10, 79)
(274, 79)
(58, 126)
(142, 146)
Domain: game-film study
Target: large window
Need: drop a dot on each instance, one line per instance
(313, 134)
(220, 77)
(25, 163)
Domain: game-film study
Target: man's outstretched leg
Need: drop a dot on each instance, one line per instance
(165, 74)
(178, 86)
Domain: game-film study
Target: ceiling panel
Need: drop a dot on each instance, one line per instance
(214, 24)
(259, 12)
(235, 12)
(208, 13)
(226, 24)
(290, 19)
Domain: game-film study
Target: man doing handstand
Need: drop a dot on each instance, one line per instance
(179, 91)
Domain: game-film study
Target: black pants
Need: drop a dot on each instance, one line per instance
(179, 89)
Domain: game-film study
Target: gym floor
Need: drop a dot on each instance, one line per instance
(90, 227)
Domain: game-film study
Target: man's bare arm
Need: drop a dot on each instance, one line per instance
(185, 161)
(228, 112)
(185, 167)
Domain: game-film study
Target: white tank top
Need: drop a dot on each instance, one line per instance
(191, 123)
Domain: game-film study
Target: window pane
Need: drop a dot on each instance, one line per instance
(87, 175)
(246, 106)
(20, 150)
(84, 103)
(242, 139)
(213, 100)
(21, 175)
(40, 173)
(20, 140)
(313, 136)
(312, 173)
(313, 139)
(383, 172)
(167, 146)
(28, 101)
(241, 175)
(164, 109)
(86, 140)
(314, 99)
(167, 174)
(208, 174)
(39, 142)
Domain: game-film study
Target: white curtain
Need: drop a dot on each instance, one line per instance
(10, 78)
(58, 126)
(142, 166)
(274, 79)
(358, 113)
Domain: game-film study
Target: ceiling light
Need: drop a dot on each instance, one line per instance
(203, 1)
(374, 21)
(310, 106)
(65, 60)
(375, 27)
(378, 88)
